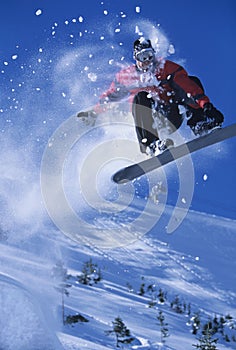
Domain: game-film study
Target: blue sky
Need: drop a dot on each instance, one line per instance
(202, 32)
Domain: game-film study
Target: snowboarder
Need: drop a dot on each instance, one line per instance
(161, 93)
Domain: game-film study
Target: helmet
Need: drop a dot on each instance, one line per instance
(144, 53)
(141, 44)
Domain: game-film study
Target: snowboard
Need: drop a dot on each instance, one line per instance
(134, 171)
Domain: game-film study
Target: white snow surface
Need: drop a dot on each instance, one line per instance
(195, 263)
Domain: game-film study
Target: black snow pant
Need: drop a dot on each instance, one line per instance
(142, 110)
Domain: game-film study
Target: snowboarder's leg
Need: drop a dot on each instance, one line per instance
(142, 114)
(152, 120)
(173, 116)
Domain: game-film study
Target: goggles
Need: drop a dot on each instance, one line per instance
(145, 55)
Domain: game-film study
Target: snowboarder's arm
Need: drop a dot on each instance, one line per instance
(101, 106)
(193, 93)
(89, 117)
(188, 89)
(116, 92)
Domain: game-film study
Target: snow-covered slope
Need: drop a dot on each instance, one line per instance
(197, 263)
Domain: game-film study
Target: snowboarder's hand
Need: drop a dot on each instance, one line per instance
(85, 114)
(211, 112)
(89, 117)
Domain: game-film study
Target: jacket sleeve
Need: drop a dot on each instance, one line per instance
(116, 92)
(101, 106)
(192, 94)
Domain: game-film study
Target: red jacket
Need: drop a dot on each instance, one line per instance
(170, 84)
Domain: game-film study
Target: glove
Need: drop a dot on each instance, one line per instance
(85, 114)
(210, 112)
(89, 117)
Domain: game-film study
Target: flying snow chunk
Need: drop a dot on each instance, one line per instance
(138, 9)
(38, 12)
(105, 12)
(137, 31)
(92, 77)
(80, 19)
(205, 177)
(14, 57)
(171, 49)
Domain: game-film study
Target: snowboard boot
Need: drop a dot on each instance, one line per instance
(165, 144)
(158, 146)
(204, 127)
(151, 149)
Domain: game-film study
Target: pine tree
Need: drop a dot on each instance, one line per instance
(216, 324)
(226, 338)
(230, 321)
(188, 309)
(122, 333)
(222, 325)
(206, 342)
(163, 325)
(91, 274)
(195, 322)
(59, 273)
(142, 290)
(233, 338)
(151, 289)
(208, 327)
(161, 296)
(176, 305)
